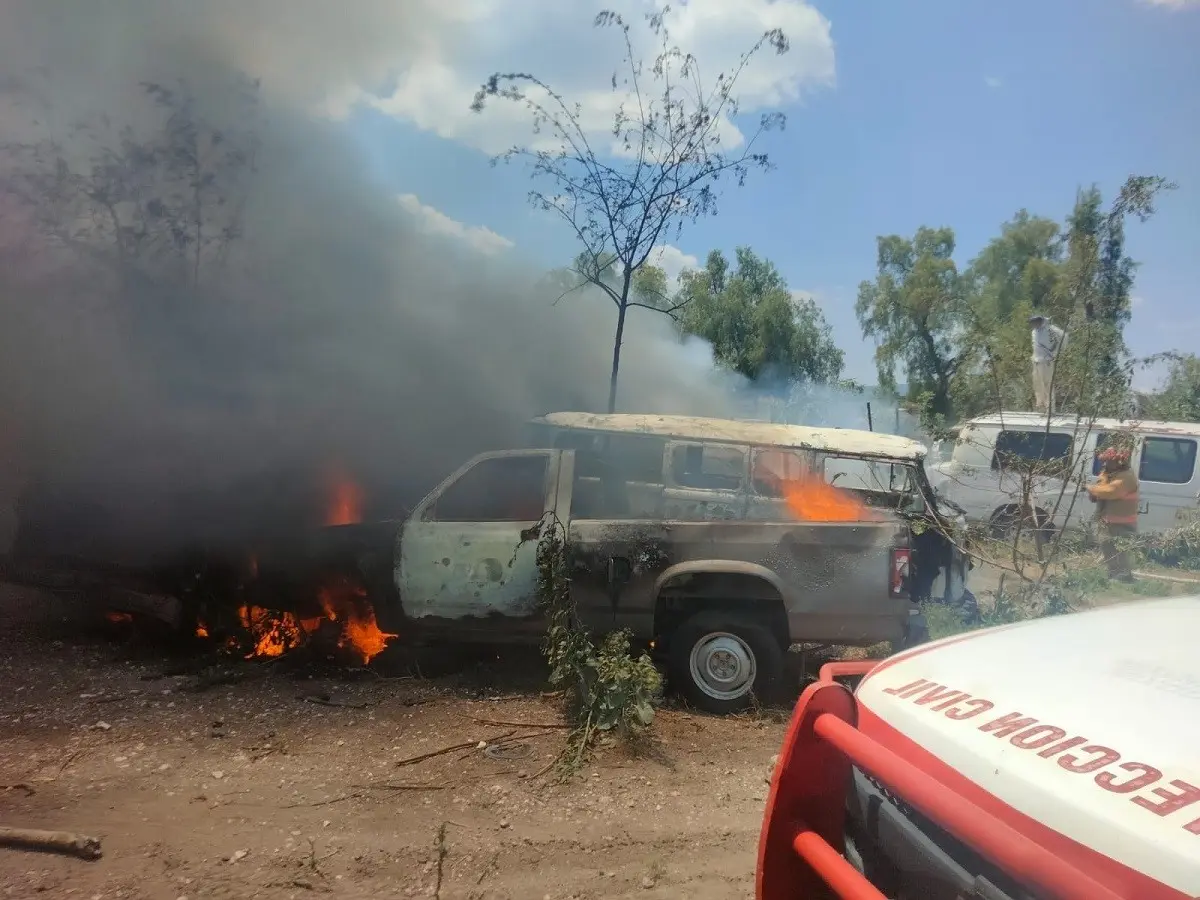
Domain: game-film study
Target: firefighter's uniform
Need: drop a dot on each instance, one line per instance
(1116, 497)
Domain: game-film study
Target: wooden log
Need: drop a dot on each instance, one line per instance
(67, 842)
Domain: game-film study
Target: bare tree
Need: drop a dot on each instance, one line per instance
(664, 170)
(203, 164)
(172, 196)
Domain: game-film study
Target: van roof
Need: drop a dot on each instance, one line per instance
(768, 434)
(1073, 423)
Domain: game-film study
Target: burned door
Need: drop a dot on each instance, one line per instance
(469, 550)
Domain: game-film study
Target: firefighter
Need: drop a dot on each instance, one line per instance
(1116, 497)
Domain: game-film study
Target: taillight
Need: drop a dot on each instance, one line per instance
(899, 572)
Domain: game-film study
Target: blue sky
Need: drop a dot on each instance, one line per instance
(942, 113)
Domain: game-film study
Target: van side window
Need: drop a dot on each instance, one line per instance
(634, 457)
(708, 466)
(1048, 454)
(772, 470)
(856, 474)
(500, 489)
(1167, 460)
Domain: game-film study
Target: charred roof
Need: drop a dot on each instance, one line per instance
(766, 434)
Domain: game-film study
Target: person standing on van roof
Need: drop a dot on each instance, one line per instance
(1048, 340)
(1116, 499)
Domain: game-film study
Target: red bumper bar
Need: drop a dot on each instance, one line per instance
(800, 848)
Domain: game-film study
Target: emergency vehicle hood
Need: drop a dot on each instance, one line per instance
(1087, 723)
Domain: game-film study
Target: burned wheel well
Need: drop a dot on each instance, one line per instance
(747, 595)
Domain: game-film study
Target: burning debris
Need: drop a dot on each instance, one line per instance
(274, 633)
(347, 621)
(347, 603)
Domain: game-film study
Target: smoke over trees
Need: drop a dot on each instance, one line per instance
(205, 303)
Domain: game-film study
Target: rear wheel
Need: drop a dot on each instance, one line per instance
(1005, 519)
(721, 661)
(917, 633)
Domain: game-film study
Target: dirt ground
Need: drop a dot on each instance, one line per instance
(262, 789)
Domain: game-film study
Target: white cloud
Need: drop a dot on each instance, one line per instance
(434, 221)
(556, 42)
(1136, 301)
(1173, 4)
(992, 81)
(673, 262)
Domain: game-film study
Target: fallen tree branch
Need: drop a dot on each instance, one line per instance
(519, 724)
(442, 850)
(413, 760)
(70, 759)
(325, 700)
(385, 786)
(81, 845)
(329, 802)
(222, 678)
(489, 868)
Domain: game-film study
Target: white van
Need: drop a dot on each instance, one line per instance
(983, 475)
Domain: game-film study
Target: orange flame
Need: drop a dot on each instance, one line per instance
(201, 630)
(809, 497)
(273, 633)
(118, 618)
(345, 501)
(347, 603)
(815, 500)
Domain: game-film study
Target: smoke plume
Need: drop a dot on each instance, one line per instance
(166, 410)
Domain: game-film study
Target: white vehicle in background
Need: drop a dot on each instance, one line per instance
(986, 472)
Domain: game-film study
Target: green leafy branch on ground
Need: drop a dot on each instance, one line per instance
(607, 689)
(1178, 548)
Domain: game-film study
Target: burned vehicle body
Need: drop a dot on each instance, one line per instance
(698, 535)
(719, 543)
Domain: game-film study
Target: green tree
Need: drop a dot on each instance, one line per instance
(1178, 399)
(1017, 273)
(755, 324)
(912, 310)
(1095, 294)
(667, 172)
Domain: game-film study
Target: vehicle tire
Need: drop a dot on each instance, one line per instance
(968, 608)
(1004, 520)
(721, 661)
(917, 634)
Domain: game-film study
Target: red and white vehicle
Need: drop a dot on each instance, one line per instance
(1057, 758)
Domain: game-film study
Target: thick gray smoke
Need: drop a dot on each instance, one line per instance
(331, 333)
